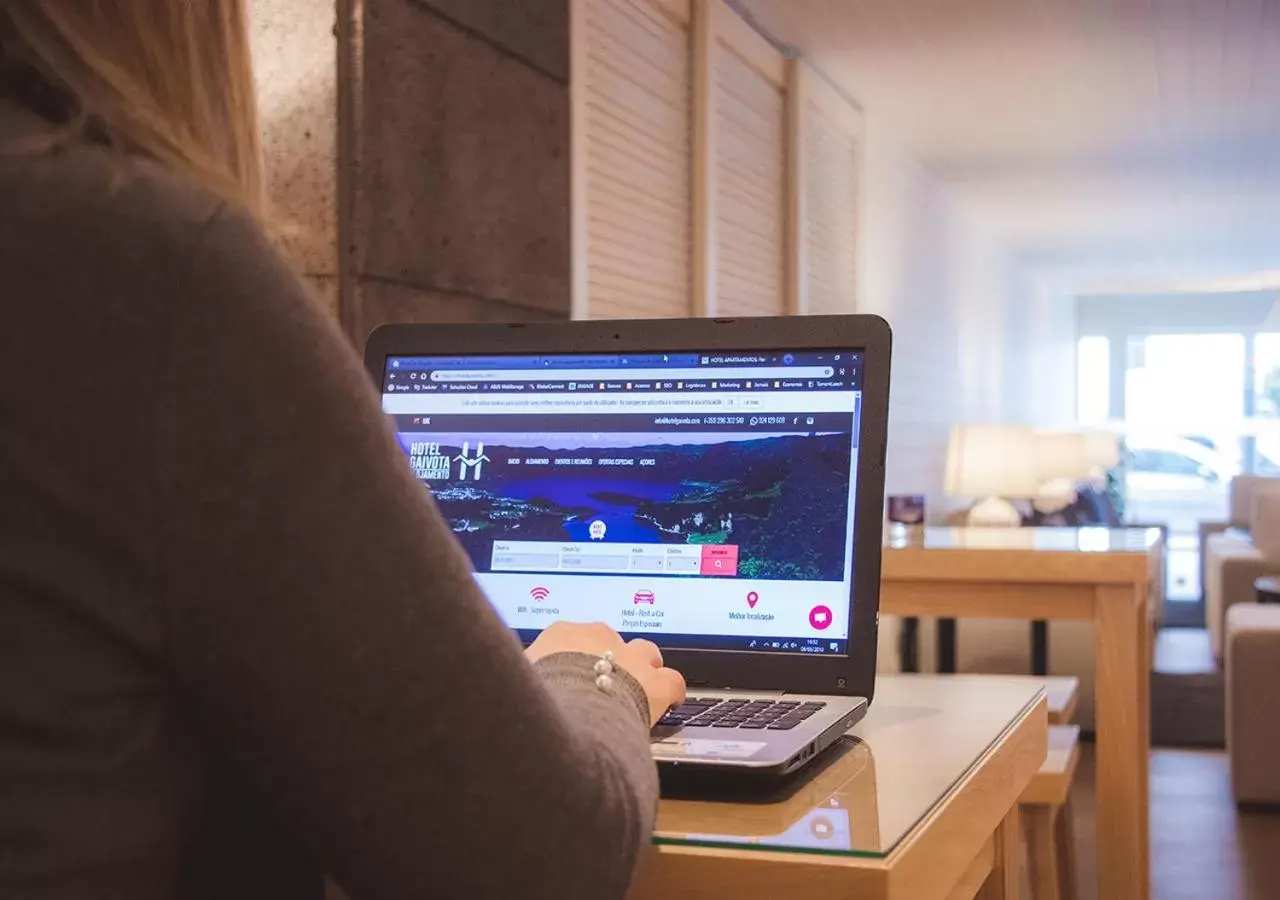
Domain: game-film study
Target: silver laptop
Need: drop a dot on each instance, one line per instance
(714, 486)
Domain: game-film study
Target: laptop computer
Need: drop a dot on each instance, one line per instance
(714, 485)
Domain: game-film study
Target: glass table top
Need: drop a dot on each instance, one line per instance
(922, 735)
(1051, 540)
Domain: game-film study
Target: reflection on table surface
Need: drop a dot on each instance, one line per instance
(1060, 540)
(922, 735)
(828, 806)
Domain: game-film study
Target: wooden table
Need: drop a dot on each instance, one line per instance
(1092, 574)
(921, 805)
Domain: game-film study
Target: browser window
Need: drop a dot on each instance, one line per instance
(701, 500)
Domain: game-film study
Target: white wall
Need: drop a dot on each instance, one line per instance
(1052, 348)
(970, 328)
(975, 339)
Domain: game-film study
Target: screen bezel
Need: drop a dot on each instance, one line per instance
(852, 674)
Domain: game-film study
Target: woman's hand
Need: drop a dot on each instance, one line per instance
(641, 659)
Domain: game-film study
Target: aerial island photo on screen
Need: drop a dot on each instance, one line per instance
(781, 499)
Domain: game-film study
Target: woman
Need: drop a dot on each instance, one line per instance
(238, 646)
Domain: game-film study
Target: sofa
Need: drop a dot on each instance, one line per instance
(1235, 553)
(1253, 694)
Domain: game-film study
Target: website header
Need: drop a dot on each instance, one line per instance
(635, 423)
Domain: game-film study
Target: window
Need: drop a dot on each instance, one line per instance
(1164, 462)
(1266, 404)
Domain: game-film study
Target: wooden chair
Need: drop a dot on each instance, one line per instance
(1062, 694)
(1046, 804)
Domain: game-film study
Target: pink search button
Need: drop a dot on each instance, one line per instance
(720, 559)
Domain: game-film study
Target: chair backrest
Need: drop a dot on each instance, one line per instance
(1243, 490)
(1265, 521)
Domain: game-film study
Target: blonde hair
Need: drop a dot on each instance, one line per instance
(167, 79)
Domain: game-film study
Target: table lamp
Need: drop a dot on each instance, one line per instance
(1063, 460)
(992, 463)
(1102, 450)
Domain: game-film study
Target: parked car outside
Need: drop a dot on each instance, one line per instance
(1176, 480)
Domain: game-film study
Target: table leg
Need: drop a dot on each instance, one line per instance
(1067, 885)
(1003, 882)
(946, 645)
(909, 645)
(1042, 851)
(1123, 684)
(1040, 648)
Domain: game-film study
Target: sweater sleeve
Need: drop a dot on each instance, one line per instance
(329, 632)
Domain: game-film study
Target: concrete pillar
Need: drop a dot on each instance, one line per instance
(460, 182)
(295, 55)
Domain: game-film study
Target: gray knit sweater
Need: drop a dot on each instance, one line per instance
(239, 649)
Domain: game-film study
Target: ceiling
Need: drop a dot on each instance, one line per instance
(1107, 140)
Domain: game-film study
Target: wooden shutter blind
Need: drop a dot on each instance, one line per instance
(751, 184)
(711, 175)
(831, 146)
(637, 131)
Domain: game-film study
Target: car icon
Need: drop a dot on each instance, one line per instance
(643, 597)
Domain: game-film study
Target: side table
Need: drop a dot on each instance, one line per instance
(921, 804)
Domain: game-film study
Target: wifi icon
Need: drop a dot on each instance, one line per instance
(539, 594)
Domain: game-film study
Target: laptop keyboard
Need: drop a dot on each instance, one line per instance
(775, 715)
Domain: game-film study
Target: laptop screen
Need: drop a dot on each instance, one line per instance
(700, 500)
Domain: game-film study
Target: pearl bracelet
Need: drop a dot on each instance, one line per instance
(604, 670)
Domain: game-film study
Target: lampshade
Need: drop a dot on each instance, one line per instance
(991, 461)
(1061, 454)
(1102, 448)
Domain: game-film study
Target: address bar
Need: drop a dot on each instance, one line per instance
(792, 372)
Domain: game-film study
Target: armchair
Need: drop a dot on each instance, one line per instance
(1235, 553)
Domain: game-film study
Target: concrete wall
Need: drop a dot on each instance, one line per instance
(461, 184)
(295, 56)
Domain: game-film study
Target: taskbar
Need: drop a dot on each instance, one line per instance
(747, 643)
